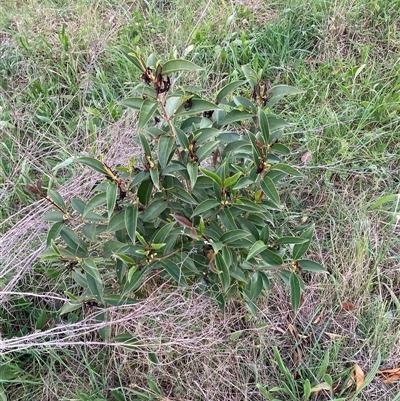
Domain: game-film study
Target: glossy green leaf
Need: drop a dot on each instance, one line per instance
(93, 279)
(223, 271)
(117, 222)
(182, 137)
(205, 206)
(183, 195)
(300, 249)
(236, 115)
(279, 91)
(145, 144)
(244, 182)
(144, 192)
(232, 236)
(257, 248)
(286, 169)
(130, 54)
(228, 89)
(311, 266)
(385, 199)
(174, 271)
(155, 177)
(165, 150)
(256, 286)
(291, 240)
(97, 200)
(131, 215)
(179, 65)
(70, 307)
(111, 196)
(215, 177)
(155, 209)
(295, 292)
(271, 258)
(205, 150)
(232, 180)
(281, 149)
(147, 111)
(134, 103)
(93, 163)
(54, 216)
(135, 281)
(268, 187)
(250, 74)
(78, 205)
(192, 169)
(72, 240)
(56, 198)
(54, 232)
(263, 122)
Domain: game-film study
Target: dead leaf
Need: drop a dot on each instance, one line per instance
(321, 386)
(348, 306)
(333, 336)
(306, 157)
(358, 376)
(390, 375)
(319, 317)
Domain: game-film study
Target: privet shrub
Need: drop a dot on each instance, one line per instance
(200, 204)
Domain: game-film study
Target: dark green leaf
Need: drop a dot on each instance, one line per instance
(131, 214)
(144, 192)
(279, 148)
(192, 169)
(54, 216)
(181, 194)
(250, 74)
(165, 150)
(133, 102)
(236, 115)
(228, 89)
(72, 240)
(147, 111)
(244, 182)
(311, 266)
(262, 120)
(279, 91)
(205, 150)
(155, 177)
(130, 54)
(54, 232)
(272, 258)
(174, 271)
(232, 236)
(205, 206)
(135, 282)
(257, 248)
(56, 198)
(78, 205)
(295, 292)
(182, 137)
(97, 200)
(93, 163)
(223, 271)
(145, 144)
(286, 169)
(256, 286)
(179, 65)
(93, 279)
(300, 249)
(270, 191)
(155, 209)
(111, 195)
(291, 240)
(41, 320)
(117, 222)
